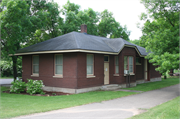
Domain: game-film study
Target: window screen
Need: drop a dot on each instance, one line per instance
(59, 64)
(36, 64)
(116, 64)
(90, 64)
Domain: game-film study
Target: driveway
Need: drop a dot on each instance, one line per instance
(5, 81)
(120, 108)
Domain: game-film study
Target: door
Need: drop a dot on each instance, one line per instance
(106, 69)
(145, 69)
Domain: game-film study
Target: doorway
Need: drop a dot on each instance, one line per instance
(146, 77)
(106, 69)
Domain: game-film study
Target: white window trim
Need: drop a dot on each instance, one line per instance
(34, 74)
(57, 75)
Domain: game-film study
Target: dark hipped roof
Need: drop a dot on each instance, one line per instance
(80, 42)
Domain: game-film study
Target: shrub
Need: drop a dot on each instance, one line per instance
(6, 67)
(34, 86)
(18, 86)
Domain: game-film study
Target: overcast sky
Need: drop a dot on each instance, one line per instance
(126, 12)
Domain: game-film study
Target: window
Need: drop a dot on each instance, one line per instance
(106, 58)
(128, 63)
(59, 64)
(35, 64)
(116, 65)
(138, 61)
(90, 64)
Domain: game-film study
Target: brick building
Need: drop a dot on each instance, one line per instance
(79, 62)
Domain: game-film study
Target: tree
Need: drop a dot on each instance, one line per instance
(136, 42)
(109, 26)
(51, 26)
(72, 22)
(91, 19)
(20, 19)
(161, 33)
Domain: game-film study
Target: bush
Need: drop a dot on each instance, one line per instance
(18, 86)
(34, 86)
(6, 67)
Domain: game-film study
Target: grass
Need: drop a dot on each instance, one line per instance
(155, 85)
(168, 110)
(10, 77)
(176, 71)
(13, 105)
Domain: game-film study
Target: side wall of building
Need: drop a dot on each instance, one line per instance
(47, 70)
(121, 78)
(98, 79)
(74, 70)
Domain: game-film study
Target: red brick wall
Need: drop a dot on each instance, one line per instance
(121, 79)
(74, 69)
(26, 66)
(153, 73)
(140, 70)
(46, 70)
(98, 80)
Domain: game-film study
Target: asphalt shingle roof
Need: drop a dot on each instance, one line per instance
(81, 41)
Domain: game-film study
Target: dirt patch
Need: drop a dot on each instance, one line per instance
(46, 93)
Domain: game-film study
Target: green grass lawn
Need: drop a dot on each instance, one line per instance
(176, 71)
(168, 110)
(11, 77)
(16, 104)
(12, 105)
(155, 85)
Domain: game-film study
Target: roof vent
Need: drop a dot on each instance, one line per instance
(83, 28)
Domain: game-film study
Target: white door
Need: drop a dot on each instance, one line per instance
(106, 69)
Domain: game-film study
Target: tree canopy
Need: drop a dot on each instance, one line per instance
(161, 33)
(19, 21)
(27, 22)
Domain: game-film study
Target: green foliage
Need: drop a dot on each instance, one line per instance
(136, 42)
(161, 33)
(166, 61)
(17, 86)
(50, 26)
(34, 86)
(20, 19)
(27, 22)
(91, 19)
(109, 26)
(2, 88)
(72, 21)
(6, 68)
(155, 85)
(102, 24)
(31, 87)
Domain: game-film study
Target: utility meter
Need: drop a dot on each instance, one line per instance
(126, 71)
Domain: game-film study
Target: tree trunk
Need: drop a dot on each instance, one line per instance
(171, 72)
(14, 59)
(165, 77)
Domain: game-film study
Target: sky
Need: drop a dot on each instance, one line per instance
(126, 12)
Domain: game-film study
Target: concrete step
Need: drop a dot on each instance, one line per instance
(110, 87)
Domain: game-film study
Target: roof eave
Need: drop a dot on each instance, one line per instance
(64, 51)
